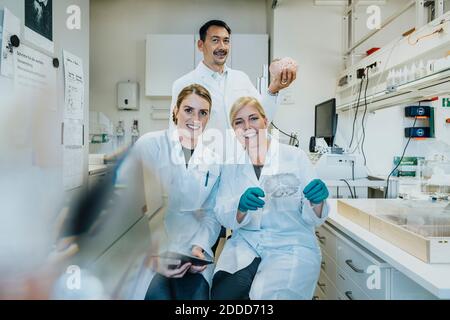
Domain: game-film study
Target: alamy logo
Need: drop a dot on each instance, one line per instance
(74, 20)
(374, 20)
(73, 281)
(374, 279)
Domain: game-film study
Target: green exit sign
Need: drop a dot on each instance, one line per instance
(446, 102)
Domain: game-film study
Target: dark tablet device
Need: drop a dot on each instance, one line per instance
(185, 258)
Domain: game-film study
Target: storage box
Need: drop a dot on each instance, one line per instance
(421, 228)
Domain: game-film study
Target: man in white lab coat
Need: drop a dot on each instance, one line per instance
(225, 84)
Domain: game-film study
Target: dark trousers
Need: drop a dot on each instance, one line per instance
(190, 287)
(236, 286)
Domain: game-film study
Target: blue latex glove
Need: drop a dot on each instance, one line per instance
(250, 200)
(316, 191)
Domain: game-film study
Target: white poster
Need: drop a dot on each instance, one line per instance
(73, 133)
(35, 76)
(74, 87)
(39, 23)
(73, 167)
(10, 27)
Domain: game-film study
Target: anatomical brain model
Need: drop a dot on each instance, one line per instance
(279, 64)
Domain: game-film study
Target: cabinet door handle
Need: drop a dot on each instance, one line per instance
(354, 268)
(349, 295)
(322, 285)
(316, 298)
(322, 265)
(321, 239)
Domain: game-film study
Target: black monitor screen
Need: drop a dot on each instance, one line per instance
(325, 123)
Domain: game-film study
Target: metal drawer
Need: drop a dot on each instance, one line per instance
(328, 266)
(403, 288)
(327, 287)
(327, 241)
(318, 294)
(347, 289)
(369, 273)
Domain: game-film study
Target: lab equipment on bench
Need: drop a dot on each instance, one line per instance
(435, 177)
(341, 166)
(419, 227)
(346, 177)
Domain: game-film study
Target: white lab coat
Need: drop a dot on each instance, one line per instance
(189, 219)
(282, 233)
(237, 85)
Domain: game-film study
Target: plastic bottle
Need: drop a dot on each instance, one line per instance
(389, 81)
(405, 74)
(412, 73)
(120, 133)
(135, 132)
(398, 77)
(422, 70)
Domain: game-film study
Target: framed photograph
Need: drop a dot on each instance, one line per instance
(39, 23)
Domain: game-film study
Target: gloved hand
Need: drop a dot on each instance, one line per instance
(250, 200)
(316, 191)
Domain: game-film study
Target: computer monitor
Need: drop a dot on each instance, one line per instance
(326, 121)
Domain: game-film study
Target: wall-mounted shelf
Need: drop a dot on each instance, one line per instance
(420, 89)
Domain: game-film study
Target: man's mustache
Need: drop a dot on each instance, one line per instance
(221, 52)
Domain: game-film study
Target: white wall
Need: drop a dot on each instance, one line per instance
(118, 33)
(401, 24)
(311, 35)
(74, 41)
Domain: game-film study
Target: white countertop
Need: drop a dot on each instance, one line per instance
(97, 168)
(433, 277)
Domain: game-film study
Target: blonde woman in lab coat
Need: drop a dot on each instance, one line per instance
(272, 201)
(189, 174)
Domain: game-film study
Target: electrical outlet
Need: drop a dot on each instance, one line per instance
(360, 73)
(377, 67)
(287, 97)
(340, 161)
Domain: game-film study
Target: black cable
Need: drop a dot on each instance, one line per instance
(400, 161)
(349, 188)
(288, 135)
(363, 118)
(353, 175)
(356, 112)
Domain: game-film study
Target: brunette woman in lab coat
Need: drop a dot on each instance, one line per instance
(188, 173)
(272, 201)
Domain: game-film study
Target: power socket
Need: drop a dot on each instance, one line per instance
(373, 65)
(360, 73)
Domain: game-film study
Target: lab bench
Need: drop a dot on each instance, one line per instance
(358, 265)
(97, 174)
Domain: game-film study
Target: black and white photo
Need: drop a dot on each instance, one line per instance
(39, 17)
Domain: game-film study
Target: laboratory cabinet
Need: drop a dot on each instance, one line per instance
(351, 272)
(98, 174)
(170, 56)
